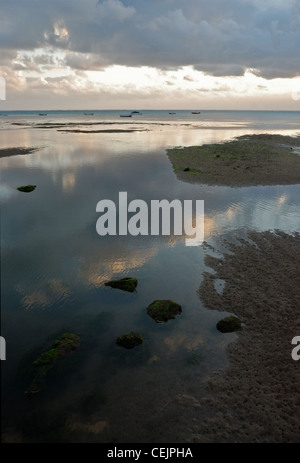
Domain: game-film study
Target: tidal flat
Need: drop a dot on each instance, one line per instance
(256, 399)
(258, 159)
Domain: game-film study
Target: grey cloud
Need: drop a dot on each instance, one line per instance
(188, 78)
(220, 38)
(84, 61)
(219, 70)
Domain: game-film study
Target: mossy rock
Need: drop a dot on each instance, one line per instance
(46, 361)
(129, 340)
(26, 188)
(229, 324)
(163, 310)
(64, 345)
(126, 284)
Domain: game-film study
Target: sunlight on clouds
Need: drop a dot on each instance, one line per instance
(64, 73)
(130, 79)
(61, 32)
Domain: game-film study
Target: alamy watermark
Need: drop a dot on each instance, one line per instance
(2, 348)
(2, 88)
(296, 350)
(162, 217)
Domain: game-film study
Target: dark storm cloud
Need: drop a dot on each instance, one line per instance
(217, 37)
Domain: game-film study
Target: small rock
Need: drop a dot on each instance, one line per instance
(163, 310)
(26, 188)
(129, 340)
(126, 284)
(229, 324)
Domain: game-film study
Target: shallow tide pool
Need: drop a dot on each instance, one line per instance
(54, 266)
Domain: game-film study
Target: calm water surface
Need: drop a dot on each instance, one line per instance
(54, 266)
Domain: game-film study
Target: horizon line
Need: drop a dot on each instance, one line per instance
(144, 109)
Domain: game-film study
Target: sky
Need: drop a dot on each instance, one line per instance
(150, 54)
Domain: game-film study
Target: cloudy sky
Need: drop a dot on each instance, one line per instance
(150, 54)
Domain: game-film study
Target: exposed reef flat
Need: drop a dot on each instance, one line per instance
(257, 398)
(262, 159)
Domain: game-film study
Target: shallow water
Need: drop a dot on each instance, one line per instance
(54, 266)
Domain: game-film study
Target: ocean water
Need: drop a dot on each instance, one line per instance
(54, 266)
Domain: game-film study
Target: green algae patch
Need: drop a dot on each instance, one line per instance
(229, 324)
(129, 340)
(26, 188)
(163, 310)
(125, 284)
(260, 159)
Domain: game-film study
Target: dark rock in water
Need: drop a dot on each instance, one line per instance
(187, 169)
(26, 188)
(64, 345)
(164, 310)
(126, 284)
(129, 340)
(61, 347)
(229, 324)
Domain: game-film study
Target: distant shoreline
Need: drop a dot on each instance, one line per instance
(84, 110)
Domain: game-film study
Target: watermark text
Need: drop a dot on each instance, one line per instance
(2, 348)
(2, 88)
(162, 217)
(296, 350)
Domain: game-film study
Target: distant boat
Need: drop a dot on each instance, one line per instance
(125, 115)
(88, 114)
(172, 113)
(195, 112)
(42, 114)
(135, 112)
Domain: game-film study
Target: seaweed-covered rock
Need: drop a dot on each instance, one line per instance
(163, 310)
(26, 188)
(129, 340)
(229, 324)
(126, 284)
(64, 345)
(61, 347)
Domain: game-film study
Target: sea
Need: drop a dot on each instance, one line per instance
(54, 266)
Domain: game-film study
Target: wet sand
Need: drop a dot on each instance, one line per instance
(249, 160)
(257, 398)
